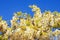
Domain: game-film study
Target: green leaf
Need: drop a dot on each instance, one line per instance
(19, 13)
(0, 18)
(55, 13)
(0, 37)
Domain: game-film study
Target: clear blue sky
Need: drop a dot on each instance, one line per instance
(8, 7)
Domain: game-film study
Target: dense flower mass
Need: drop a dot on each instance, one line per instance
(25, 27)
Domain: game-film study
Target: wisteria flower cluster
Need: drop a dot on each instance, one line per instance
(25, 27)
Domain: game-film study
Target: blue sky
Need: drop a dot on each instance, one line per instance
(8, 7)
